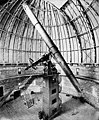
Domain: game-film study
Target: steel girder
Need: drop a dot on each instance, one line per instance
(76, 45)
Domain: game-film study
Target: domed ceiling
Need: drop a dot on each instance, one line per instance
(74, 28)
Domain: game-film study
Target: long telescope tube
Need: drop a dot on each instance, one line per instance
(58, 57)
(53, 48)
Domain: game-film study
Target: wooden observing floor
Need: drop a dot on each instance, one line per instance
(72, 110)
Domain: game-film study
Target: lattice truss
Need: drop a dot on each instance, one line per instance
(74, 28)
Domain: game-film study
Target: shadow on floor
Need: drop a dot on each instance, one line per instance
(71, 105)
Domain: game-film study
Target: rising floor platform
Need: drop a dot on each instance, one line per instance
(72, 110)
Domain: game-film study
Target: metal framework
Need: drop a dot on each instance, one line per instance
(73, 28)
